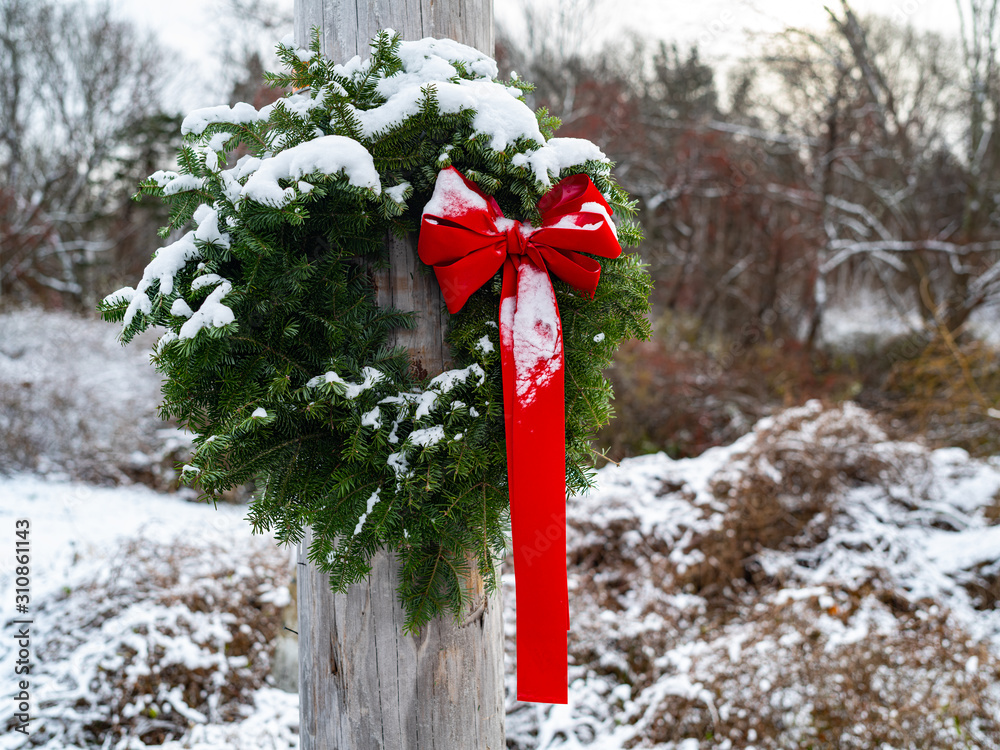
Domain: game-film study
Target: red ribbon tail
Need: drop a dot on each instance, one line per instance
(532, 364)
(461, 238)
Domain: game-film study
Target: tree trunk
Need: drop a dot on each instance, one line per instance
(363, 685)
(348, 25)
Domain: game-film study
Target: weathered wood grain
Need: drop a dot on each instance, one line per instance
(348, 25)
(363, 685)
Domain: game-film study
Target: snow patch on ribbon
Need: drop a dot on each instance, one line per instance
(504, 224)
(597, 208)
(452, 198)
(573, 221)
(535, 332)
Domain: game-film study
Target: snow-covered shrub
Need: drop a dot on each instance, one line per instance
(948, 392)
(851, 609)
(779, 491)
(832, 669)
(984, 585)
(74, 403)
(166, 641)
(683, 395)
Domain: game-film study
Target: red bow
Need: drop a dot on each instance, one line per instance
(466, 238)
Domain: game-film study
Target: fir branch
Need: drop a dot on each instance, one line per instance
(307, 342)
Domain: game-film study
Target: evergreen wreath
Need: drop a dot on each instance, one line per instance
(275, 354)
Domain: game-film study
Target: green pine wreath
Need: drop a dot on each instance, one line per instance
(275, 352)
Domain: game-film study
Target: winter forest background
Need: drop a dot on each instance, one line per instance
(806, 550)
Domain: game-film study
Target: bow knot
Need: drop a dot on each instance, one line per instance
(467, 239)
(519, 245)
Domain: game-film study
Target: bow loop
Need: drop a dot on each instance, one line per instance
(466, 238)
(572, 195)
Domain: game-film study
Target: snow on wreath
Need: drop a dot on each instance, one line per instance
(275, 353)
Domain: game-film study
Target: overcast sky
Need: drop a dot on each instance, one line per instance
(723, 29)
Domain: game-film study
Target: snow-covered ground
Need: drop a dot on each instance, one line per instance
(810, 566)
(149, 588)
(867, 320)
(812, 585)
(75, 403)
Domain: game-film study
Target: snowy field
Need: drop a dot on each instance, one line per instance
(109, 596)
(867, 319)
(812, 585)
(873, 566)
(74, 402)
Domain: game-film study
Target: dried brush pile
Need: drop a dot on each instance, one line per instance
(169, 638)
(813, 585)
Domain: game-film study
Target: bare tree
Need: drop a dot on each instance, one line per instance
(880, 106)
(863, 155)
(247, 49)
(980, 37)
(76, 80)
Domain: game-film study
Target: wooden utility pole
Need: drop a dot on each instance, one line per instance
(363, 685)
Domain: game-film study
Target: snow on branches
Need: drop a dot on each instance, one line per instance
(275, 352)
